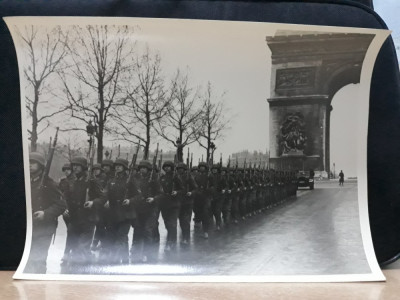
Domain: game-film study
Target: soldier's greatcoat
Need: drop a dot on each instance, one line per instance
(48, 199)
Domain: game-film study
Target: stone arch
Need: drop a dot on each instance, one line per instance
(308, 68)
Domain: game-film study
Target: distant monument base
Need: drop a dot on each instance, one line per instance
(296, 153)
(297, 162)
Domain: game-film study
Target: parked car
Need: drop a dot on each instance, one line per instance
(305, 179)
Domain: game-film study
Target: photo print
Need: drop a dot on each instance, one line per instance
(193, 150)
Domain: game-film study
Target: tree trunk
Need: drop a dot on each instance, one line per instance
(148, 123)
(100, 146)
(146, 150)
(34, 134)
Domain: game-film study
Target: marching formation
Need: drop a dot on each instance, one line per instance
(100, 203)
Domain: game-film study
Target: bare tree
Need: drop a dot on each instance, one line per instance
(183, 111)
(213, 121)
(146, 102)
(45, 49)
(93, 83)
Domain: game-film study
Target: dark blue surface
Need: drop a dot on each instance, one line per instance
(384, 122)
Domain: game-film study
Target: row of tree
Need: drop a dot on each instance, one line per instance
(97, 73)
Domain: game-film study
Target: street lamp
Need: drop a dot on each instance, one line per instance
(91, 130)
(212, 147)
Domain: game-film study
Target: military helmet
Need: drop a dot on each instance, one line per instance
(80, 160)
(107, 162)
(66, 166)
(122, 162)
(203, 164)
(144, 164)
(38, 158)
(96, 166)
(195, 168)
(225, 169)
(181, 165)
(168, 163)
(216, 166)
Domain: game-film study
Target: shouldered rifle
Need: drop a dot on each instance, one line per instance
(131, 168)
(228, 167)
(160, 163)
(46, 171)
(133, 162)
(188, 170)
(154, 166)
(244, 168)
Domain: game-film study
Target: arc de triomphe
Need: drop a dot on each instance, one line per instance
(307, 71)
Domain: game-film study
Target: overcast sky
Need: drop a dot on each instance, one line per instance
(235, 58)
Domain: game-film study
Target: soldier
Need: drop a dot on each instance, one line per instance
(242, 189)
(99, 175)
(169, 203)
(119, 196)
(187, 200)
(64, 182)
(64, 186)
(47, 205)
(218, 193)
(108, 169)
(196, 202)
(227, 199)
(257, 181)
(234, 189)
(101, 178)
(84, 198)
(203, 197)
(145, 202)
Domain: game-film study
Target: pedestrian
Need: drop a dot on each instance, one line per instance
(341, 177)
(47, 205)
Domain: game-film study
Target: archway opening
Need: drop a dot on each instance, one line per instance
(343, 135)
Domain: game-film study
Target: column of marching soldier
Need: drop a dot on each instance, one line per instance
(100, 208)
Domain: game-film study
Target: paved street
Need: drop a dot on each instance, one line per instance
(316, 233)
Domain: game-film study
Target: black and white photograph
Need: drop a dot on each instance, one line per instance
(193, 150)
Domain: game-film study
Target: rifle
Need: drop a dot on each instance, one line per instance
(220, 160)
(154, 164)
(46, 171)
(160, 162)
(131, 168)
(133, 163)
(244, 167)
(188, 170)
(228, 167)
